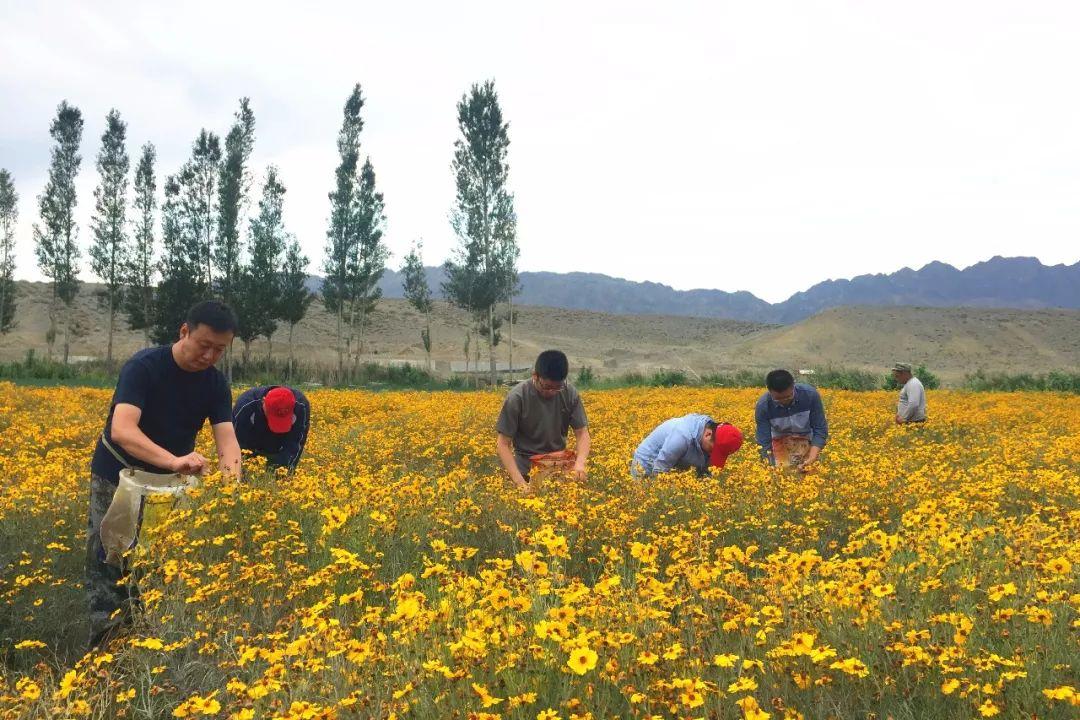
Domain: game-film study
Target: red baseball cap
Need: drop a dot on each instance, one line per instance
(727, 439)
(278, 407)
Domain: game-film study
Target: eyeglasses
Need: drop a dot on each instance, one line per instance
(545, 386)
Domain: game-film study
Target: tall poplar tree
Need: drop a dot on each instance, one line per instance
(56, 238)
(139, 296)
(418, 292)
(294, 297)
(183, 280)
(341, 235)
(235, 179)
(259, 284)
(483, 217)
(369, 254)
(198, 181)
(9, 215)
(109, 250)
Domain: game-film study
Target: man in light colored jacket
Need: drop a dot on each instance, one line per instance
(691, 441)
(911, 408)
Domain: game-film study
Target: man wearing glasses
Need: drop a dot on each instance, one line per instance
(535, 418)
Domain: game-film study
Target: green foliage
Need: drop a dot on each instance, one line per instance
(9, 215)
(417, 292)
(109, 253)
(414, 280)
(233, 183)
(295, 296)
(368, 252)
(182, 282)
(739, 378)
(367, 375)
(1068, 382)
(841, 379)
(139, 298)
(258, 296)
(340, 236)
(482, 270)
(198, 181)
(41, 371)
(585, 377)
(56, 238)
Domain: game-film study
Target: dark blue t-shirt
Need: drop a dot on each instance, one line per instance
(174, 404)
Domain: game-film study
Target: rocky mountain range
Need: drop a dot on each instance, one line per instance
(1017, 282)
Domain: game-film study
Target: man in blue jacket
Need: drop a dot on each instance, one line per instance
(791, 424)
(273, 421)
(691, 441)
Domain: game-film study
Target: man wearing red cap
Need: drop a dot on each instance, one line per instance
(691, 441)
(273, 421)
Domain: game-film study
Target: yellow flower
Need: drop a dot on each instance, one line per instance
(148, 643)
(949, 686)
(486, 698)
(883, 590)
(851, 666)
(674, 652)
(988, 708)
(751, 709)
(997, 592)
(28, 689)
(725, 661)
(647, 658)
(29, 644)
(582, 660)
(692, 698)
(406, 609)
(67, 684)
(196, 705)
(743, 684)
(1059, 566)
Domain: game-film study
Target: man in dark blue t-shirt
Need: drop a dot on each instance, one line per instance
(273, 421)
(163, 396)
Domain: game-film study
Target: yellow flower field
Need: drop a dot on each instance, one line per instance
(920, 572)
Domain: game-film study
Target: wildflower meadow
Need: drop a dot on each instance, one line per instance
(925, 571)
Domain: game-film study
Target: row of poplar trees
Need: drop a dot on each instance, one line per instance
(152, 271)
(204, 252)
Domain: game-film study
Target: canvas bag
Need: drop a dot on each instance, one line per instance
(142, 501)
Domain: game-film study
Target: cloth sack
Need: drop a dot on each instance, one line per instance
(142, 502)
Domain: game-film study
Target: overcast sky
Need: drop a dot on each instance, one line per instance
(743, 146)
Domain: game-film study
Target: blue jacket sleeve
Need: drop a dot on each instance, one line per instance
(819, 425)
(764, 429)
(245, 406)
(671, 452)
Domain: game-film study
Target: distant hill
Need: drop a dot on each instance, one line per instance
(999, 282)
(950, 341)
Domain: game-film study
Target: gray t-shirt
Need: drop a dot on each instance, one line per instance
(538, 425)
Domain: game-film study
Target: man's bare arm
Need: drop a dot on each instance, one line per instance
(584, 445)
(506, 456)
(228, 449)
(127, 434)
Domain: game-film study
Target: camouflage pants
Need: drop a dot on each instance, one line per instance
(111, 604)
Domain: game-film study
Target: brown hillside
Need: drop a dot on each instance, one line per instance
(950, 341)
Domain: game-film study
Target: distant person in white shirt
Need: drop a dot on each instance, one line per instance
(912, 405)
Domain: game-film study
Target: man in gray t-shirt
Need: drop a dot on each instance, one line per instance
(536, 416)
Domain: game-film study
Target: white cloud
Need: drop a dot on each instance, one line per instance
(685, 143)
